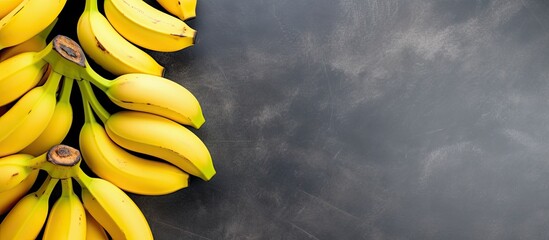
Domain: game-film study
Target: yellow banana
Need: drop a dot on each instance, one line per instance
(10, 197)
(183, 9)
(94, 230)
(34, 44)
(153, 94)
(108, 49)
(27, 217)
(58, 126)
(28, 19)
(7, 6)
(113, 208)
(19, 74)
(147, 26)
(162, 138)
(67, 218)
(125, 170)
(14, 169)
(28, 118)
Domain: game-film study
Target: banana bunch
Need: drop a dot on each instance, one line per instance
(145, 146)
(113, 39)
(102, 209)
(157, 159)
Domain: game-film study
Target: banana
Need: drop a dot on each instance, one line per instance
(147, 26)
(113, 208)
(152, 94)
(183, 9)
(125, 170)
(28, 118)
(58, 126)
(10, 197)
(107, 48)
(67, 218)
(27, 217)
(14, 169)
(28, 19)
(7, 6)
(94, 230)
(163, 138)
(34, 44)
(19, 74)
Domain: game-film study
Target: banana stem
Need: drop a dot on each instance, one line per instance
(47, 187)
(80, 176)
(66, 90)
(65, 56)
(37, 162)
(52, 82)
(66, 187)
(91, 5)
(97, 80)
(89, 96)
(88, 112)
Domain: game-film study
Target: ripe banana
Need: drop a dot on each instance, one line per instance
(7, 6)
(58, 126)
(10, 197)
(183, 9)
(125, 170)
(28, 19)
(34, 44)
(19, 74)
(113, 208)
(27, 217)
(147, 26)
(107, 48)
(94, 230)
(14, 169)
(152, 94)
(67, 218)
(28, 118)
(163, 138)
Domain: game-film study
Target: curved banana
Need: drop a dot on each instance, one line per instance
(7, 6)
(14, 169)
(27, 217)
(34, 44)
(183, 9)
(113, 208)
(162, 138)
(147, 26)
(152, 94)
(125, 170)
(10, 197)
(107, 48)
(94, 230)
(28, 19)
(67, 218)
(58, 126)
(19, 74)
(28, 118)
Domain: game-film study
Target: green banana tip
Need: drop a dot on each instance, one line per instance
(198, 121)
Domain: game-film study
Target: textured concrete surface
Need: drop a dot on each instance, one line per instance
(366, 119)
